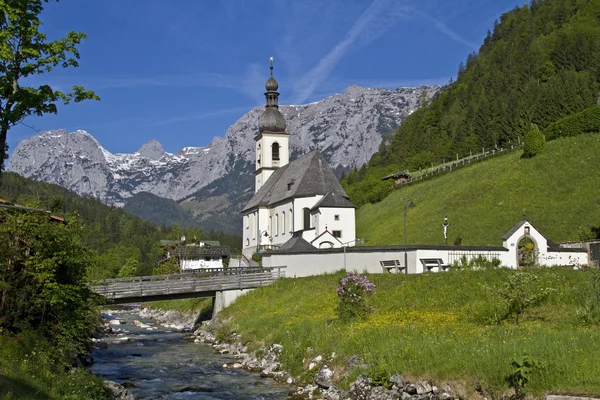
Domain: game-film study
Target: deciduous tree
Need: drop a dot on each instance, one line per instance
(26, 52)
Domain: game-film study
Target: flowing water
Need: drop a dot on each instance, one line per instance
(154, 362)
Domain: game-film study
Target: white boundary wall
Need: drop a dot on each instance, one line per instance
(367, 259)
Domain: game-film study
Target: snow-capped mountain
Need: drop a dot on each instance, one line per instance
(347, 128)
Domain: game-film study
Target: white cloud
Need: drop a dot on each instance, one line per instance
(370, 25)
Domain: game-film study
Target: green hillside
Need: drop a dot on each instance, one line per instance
(540, 63)
(558, 190)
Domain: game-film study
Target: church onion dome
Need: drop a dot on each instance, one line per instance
(271, 121)
(271, 84)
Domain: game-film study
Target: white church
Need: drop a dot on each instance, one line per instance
(298, 205)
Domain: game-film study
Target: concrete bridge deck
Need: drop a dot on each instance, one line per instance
(206, 283)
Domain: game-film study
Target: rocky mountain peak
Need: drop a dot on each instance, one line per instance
(347, 128)
(152, 150)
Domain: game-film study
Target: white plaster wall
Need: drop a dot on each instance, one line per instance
(249, 233)
(512, 243)
(563, 258)
(284, 155)
(301, 265)
(299, 205)
(346, 223)
(281, 236)
(187, 265)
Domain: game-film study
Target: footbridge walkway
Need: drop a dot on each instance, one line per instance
(205, 283)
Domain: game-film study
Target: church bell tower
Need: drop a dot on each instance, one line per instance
(272, 142)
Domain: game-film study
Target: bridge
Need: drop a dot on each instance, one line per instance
(205, 283)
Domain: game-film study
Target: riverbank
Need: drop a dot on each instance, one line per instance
(31, 368)
(448, 334)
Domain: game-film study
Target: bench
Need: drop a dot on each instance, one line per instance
(391, 266)
(430, 263)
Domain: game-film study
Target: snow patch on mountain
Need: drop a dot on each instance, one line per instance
(347, 128)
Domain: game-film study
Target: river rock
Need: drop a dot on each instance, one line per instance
(324, 378)
(398, 381)
(361, 388)
(423, 387)
(119, 392)
(100, 345)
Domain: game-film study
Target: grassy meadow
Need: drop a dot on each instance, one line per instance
(557, 190)
(441, 327)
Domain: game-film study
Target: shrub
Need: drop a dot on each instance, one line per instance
(534, 142)
(586, 121)
(352, 295)
(523, 289)
(476, 263)
(521, 373)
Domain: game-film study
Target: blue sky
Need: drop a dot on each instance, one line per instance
(182, 72)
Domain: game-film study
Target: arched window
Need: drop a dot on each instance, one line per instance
(270, 228)
(276, 224)
(291, 221)
(306, 218)
(252, 217)
(275, 148)
(283, 223)
(247, 242)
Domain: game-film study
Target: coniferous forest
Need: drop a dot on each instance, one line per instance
(540, 63)
(115, 237)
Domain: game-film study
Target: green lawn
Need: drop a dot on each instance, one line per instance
(436, 326)
(558, 190)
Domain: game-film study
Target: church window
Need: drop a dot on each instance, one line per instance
(252, 218)
(337, 234)
(283, 223)
(275, 148)
(276, 224)
(291, 221)
(306, 218)
(270, 227)
(247, 242)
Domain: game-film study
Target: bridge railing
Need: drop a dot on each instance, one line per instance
(201, 273)
(177, 284)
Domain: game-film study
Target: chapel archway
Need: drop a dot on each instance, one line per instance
(527, 251)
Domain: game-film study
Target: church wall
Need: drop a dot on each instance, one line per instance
(345, 223)
(282, 234)
(267, 141)
(299, 205)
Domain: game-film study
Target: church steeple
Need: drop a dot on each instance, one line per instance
(271, 120)
(272, 142)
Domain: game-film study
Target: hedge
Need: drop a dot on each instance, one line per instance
(586, 121)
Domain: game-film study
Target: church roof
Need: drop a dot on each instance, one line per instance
(333, 200)
(306, 176)
(297, 243)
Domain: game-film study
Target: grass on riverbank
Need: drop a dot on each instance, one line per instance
(200, 307)
(435, 326)
(557, 190)
(31, 369)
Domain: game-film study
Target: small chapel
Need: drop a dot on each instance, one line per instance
(298, 205)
